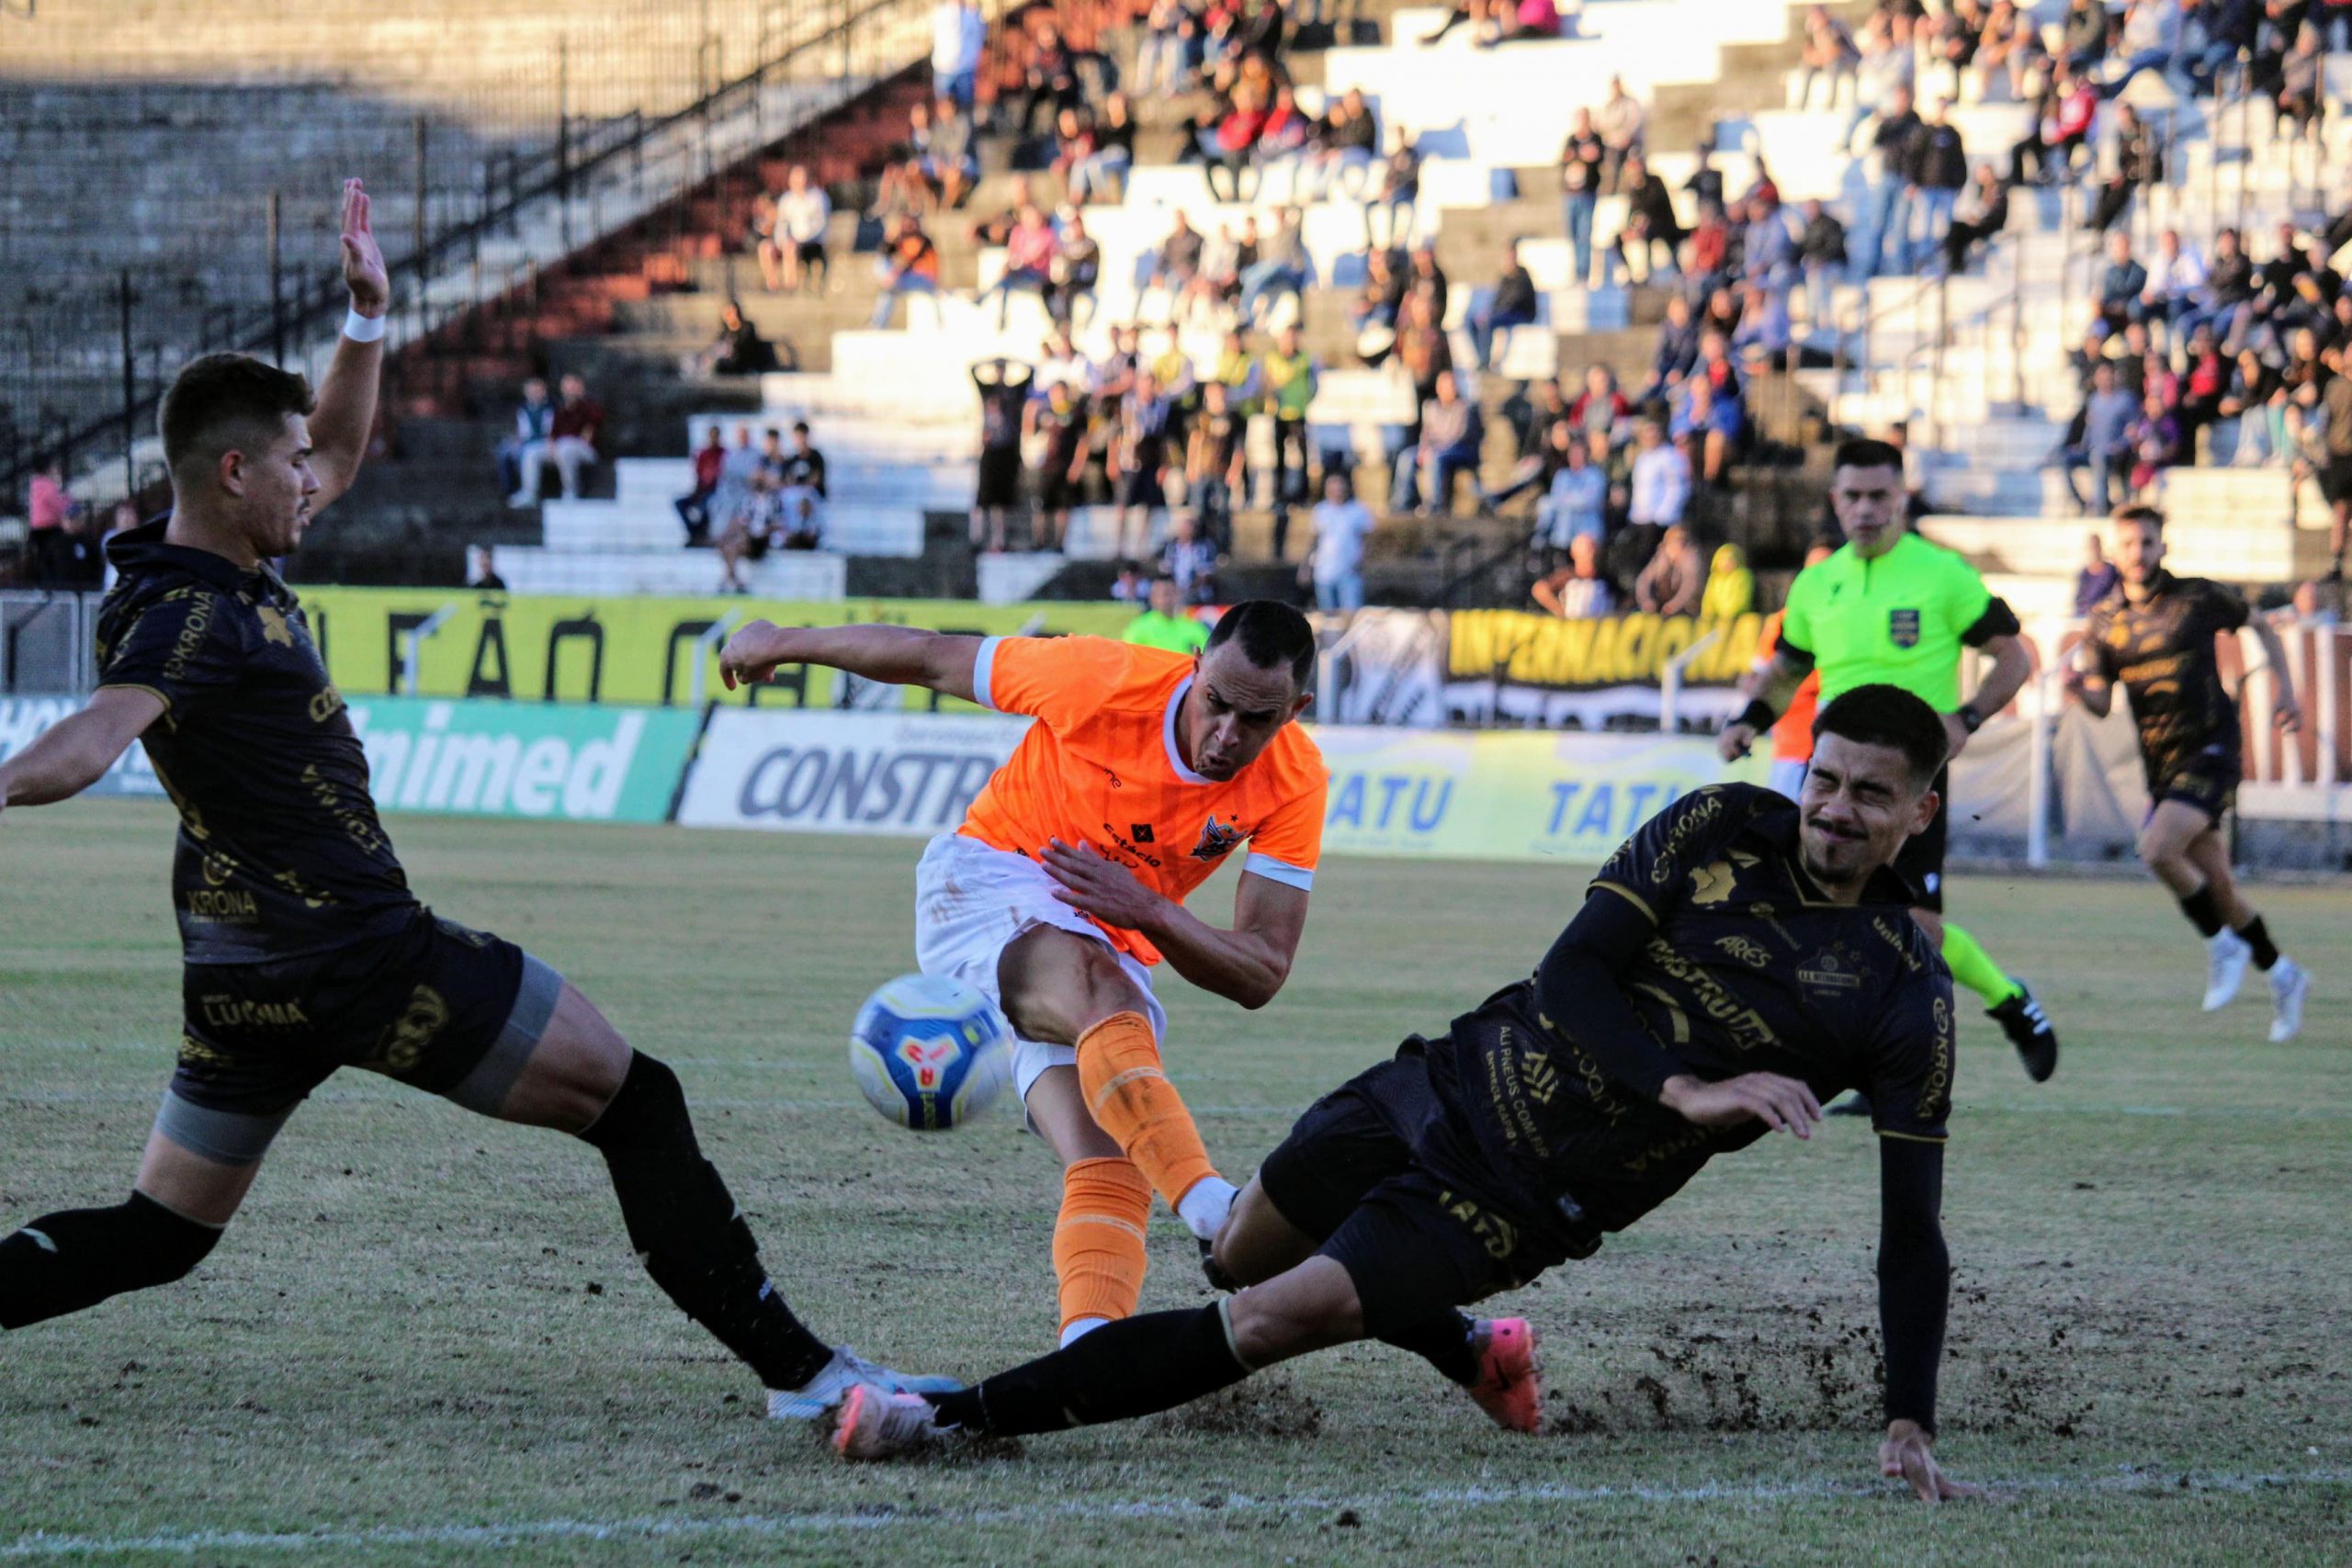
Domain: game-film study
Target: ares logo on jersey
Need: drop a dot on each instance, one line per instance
(930, 1060)
(1903, 627)
(1218, 840)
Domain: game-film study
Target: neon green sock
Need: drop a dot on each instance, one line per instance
(1975, 968)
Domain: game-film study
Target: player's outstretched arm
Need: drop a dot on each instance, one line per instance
(1913, 1293)
(902, 656)
(1769, 691)
(2286, 712)
(76, 753)
(346, 414)
(2012, 666)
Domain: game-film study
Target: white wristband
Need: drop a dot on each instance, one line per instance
(362, 328)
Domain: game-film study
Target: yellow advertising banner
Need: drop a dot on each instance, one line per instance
(1615, 650)
(556, 648)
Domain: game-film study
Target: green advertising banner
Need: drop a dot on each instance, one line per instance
(554, 649)
(568, 762)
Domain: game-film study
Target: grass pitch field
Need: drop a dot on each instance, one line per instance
(426, 1340)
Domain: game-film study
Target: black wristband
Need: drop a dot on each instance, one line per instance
(1758, 716)
(1969, 720)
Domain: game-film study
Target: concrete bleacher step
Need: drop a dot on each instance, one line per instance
(607, 527)
(790, 575)
(2051, 546)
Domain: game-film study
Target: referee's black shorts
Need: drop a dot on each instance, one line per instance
(1921, 859)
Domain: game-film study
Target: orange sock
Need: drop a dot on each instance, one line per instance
(1097, 1240)
(1131, 1099)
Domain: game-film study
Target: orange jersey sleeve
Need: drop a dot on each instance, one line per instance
(1793, 734)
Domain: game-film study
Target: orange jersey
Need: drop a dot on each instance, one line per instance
(1100, 768)
(1792, 736)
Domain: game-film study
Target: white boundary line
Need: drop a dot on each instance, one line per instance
(2127, 1481)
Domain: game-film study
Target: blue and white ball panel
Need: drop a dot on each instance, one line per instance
(929, 1051)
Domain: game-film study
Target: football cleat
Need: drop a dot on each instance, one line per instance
(1510, 1379)
(847, 1371)
(2226, 954)
(2288, 987)
(2027, 1027)
(874, 1423)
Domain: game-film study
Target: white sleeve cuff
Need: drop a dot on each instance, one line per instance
(983, 667)
(1279, 871)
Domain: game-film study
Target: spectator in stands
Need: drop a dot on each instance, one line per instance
(1651, 226)
(1105, 166)
(2138, 162)
(2150, 40)
(1731, 587)
(1190, 560)
(794, 252)
(1519, 21)
(996, 229)
(2002, 48)
(1139, 465)
(1176, 263)
(1580, 196)
(1937, 164)
(737, 476)
(50, 508)
(1829, 52)
(1165, 622)
(1671, 584)
(754, 530)
(1379, 301)
(1886, 65)
(1130, 587)
(1072, 271)
(1161, 65)
(1288, 380)
(1226, 146)
(2154, 440)
(1423, 351)
(2204, 378)
(738, 349)
(1660, 478)
(1452, 433)
(2104, 447)
(1049, 81)
(1343, 150)
(2098, 577)
(1821, 254)
(1892, 191)
(1028, 264)
(2174, 283)
(1600, 408)
(1575, 505)
(1711, 423)
(1056, 429)
(908, 264)
(694, 507)
(2121, 282)
(1003, 386)
(1677, 352)
(1283, 269)
(1215, 470)
(522, 452)
(2255, 400)
(1543, 441)
(950, 159)
(2084, 33)
(1576, 591)
(1334, 564)
(1623, 125)
(572, 445)
(1424, 276)
(1398, 195)
(1762, 337)
(1982, 212)
(2064, 119)
(800, 491)
(481, 570)
(959, 34)
(2302, 96)
(1283, 139)
(1512, 304)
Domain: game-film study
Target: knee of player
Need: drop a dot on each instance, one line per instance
(162, 1245)
(1270, 1324)
(2156, 848)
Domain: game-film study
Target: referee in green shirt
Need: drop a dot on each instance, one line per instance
(1892, 607)
(1166, 624)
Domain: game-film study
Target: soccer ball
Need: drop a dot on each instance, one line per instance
(930, 1053)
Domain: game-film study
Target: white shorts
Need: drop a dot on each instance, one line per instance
(971, 902)
(1788, 777)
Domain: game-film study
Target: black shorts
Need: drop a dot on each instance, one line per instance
(1057, 491)
(812, 251)
(2207, 779)
(442, 1009)
(1414, 1244)
(2336, 479)
(999, 477)
(755, 543)
(1142, 488)
(1921, 859)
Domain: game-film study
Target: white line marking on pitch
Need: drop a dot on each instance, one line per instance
(657, 1528)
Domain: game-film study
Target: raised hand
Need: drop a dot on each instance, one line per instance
(363, 272)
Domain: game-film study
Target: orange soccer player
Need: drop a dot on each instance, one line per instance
(1067, 881)
(1792, 736)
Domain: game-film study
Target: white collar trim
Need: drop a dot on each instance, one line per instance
(1167, 734)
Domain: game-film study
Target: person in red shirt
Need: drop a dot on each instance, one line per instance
(693, 508)
(1065, 887)
(573, 435)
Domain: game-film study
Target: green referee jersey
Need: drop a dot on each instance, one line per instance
(1899, 620)
(1177, 634)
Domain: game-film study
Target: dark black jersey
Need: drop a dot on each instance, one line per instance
(280, 853)
(1751, 969)
(2162, 652)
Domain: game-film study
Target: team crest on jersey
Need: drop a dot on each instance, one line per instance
(1903, 627)
(1218, 840)
(1835, 967)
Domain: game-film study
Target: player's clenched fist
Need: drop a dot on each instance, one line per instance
(751, 655)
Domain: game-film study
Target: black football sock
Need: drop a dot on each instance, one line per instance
(61, 1263)
(2204, 911)
(1133, 1367)
(1443, 1341)
(688, 1233)
(2258, 937)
